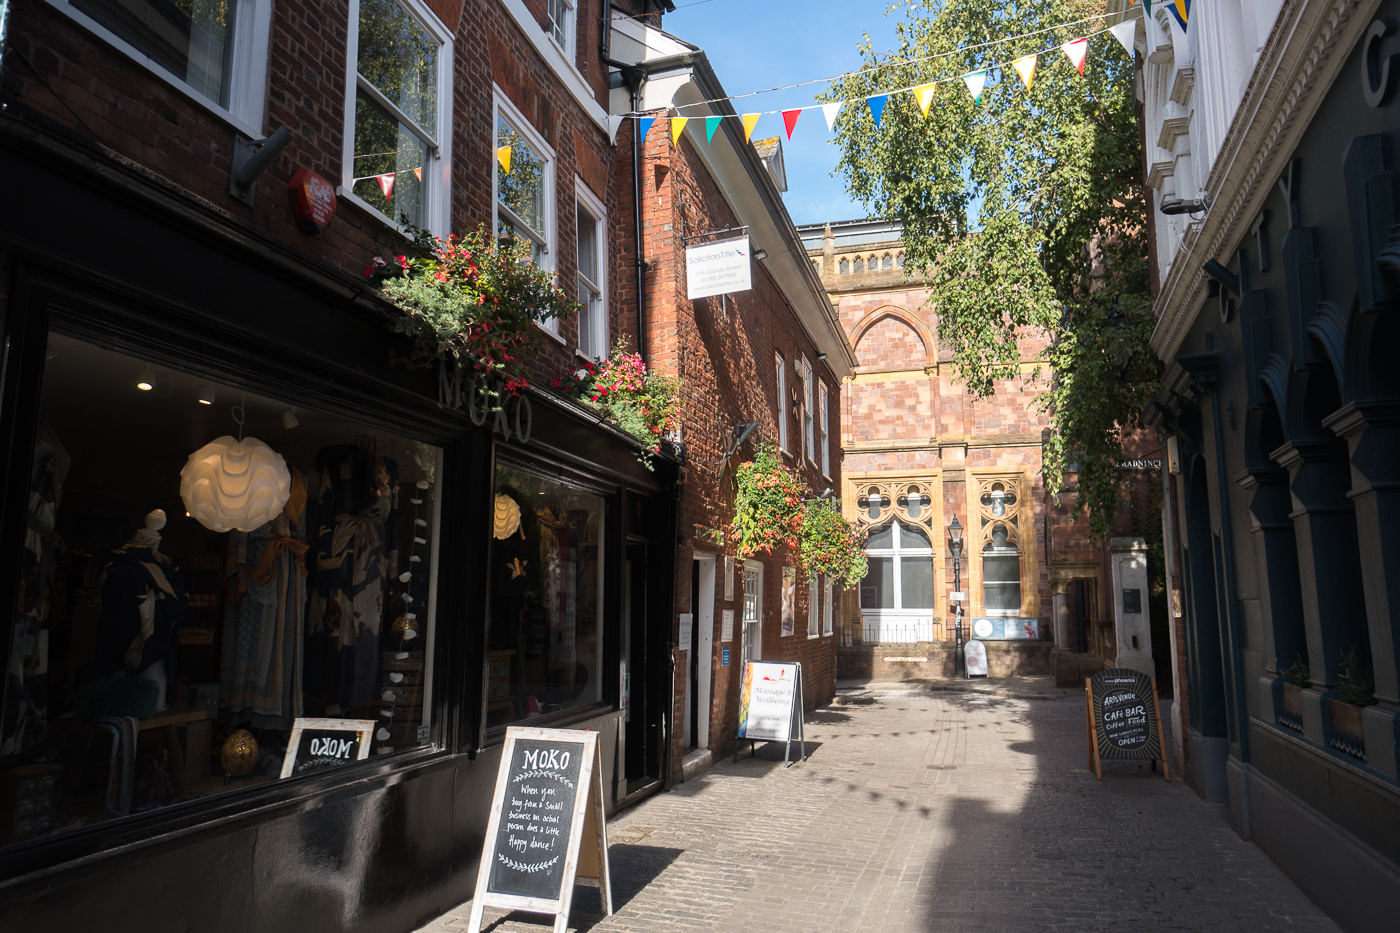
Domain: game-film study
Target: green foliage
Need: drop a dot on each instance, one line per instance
(1055, 177)
(643, 402)
(831, 545)
(1356, 684)
(1298, 675)
(474, 304)
(773, 508)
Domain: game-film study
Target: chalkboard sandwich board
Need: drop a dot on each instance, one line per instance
(546, 826)
(1125, 719)
(317, 744)
(770, 706)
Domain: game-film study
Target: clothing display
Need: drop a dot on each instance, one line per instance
(356, 558)
(143, 607)
(264, 622)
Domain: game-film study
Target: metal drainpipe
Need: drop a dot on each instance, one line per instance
(634, 75)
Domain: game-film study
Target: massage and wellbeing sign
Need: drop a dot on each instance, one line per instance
(718, 268)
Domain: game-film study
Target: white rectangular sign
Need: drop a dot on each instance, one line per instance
(687, 631)
(726, 630)
(765, 703)
(718, 268)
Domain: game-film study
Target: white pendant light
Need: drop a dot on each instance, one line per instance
(235, 485)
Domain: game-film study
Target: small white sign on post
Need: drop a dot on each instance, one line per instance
(718, 268)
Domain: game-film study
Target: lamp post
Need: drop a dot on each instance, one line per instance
(955, 543)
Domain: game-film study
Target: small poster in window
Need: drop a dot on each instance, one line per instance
(789, 601)
(726, 630)
(728, 578)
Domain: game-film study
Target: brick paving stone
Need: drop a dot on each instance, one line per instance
(931, 811)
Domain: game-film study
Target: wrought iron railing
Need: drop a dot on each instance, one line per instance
(892, 633)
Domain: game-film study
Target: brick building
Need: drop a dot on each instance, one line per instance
(918, 452)
(772, 356)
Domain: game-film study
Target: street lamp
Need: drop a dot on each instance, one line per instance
(955, 542)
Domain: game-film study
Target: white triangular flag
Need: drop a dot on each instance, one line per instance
(1123, 32)
(614, 124)
(829, 111)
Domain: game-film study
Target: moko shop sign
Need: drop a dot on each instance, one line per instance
(718, 268)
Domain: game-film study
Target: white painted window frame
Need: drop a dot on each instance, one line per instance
(829, 598)
(824, 426)
(563, 65)
(781, 365)
(566, 23)
(248, 90)
(502, 106)
(809, 441)
(814, 611)
(437, 154)
(758, 568)
(598, 278)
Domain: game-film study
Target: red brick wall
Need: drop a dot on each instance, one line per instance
(726, 362)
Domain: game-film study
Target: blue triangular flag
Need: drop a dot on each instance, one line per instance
(711, 124)
(643, 125)
(877, 107)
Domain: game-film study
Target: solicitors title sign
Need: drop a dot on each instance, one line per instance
(718, 268)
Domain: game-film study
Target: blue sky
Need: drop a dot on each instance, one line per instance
(754, 45)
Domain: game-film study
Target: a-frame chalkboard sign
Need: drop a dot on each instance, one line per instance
(770, 707)
(547, 826)
(1125, 719)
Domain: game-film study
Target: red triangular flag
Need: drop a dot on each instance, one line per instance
(386, 185)
(790, 120)
(1076, 51)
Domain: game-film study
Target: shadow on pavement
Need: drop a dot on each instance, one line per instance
(633, 868)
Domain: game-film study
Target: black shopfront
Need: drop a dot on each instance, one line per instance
(226, 512)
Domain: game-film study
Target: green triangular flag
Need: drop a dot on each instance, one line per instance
(711, 124)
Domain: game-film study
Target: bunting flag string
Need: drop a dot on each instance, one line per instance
(644, 126)
(1025, 67)
(1076, 50)
(1181, 10)
(503, 157)
(790, 120)
(386, 185)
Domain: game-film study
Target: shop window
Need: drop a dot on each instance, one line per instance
(814, 611)
(216, 50)
(900, 556)
(398, 101)
(546, 644)
(1000, 506)
(782, 402)
(592, 273)
(203, 567)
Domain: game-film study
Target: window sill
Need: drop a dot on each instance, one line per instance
(365, 207)
(557, 338)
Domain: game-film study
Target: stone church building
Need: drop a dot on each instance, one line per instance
(919, 452)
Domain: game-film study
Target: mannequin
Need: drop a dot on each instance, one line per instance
(143, 605)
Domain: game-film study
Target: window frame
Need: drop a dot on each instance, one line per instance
(829, 599)
(781, 365)
(824, 426)
(248, 75)
(898, 553)
(809, 439)
(503, 107)
(758, 568)
(567, 25)
(814, 605)
(436, 204)
(587, 201)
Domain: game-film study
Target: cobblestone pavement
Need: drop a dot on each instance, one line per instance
(931, 811)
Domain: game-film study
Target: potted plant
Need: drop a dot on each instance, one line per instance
(1356, 690)
(1296, 679)
(473, 305)
(642, 402)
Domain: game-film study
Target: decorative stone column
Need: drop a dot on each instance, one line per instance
(1131, 618)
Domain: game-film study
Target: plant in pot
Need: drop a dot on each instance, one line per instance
(1356, 690)
(642, 402)
(1296, 679)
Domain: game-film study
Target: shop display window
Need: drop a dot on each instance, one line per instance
(202, 568)
(546, 646)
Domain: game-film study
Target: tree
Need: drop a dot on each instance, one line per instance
(1054, 178)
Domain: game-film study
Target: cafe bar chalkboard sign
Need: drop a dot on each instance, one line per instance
(1125, 721)
(546, 826)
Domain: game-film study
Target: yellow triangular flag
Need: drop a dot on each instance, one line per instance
(750, 121)
(677, 125)
(924, 94)
(503, 157)
(1024, 67)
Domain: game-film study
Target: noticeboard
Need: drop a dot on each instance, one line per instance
(1124, 718)
(1001, 629)
(770, 704)
(317, 744)
(546, 826)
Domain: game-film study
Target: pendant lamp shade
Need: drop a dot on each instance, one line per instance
(231, 485)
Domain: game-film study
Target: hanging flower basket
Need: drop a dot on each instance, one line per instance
(472, 304)
(830, 544)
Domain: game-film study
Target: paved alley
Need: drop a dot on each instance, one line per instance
(932, 811)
